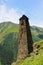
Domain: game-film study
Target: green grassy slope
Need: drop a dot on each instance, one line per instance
(9, 38)
(8, 42)
(37, 33)
(8, 27)
(37, 60)
(8, 49)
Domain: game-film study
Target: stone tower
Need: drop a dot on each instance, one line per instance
(25, 43)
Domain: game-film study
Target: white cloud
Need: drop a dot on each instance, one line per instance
(8, 15)
(13, 15)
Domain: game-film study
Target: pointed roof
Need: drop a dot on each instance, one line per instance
(23, 17)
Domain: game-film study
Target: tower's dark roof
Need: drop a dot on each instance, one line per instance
(23, 17)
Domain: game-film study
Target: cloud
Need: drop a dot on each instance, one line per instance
(8, 15)
(13, 15)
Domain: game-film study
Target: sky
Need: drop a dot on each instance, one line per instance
(12, 10)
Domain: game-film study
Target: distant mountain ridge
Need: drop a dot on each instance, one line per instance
(8, 27)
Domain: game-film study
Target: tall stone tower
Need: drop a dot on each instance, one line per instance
(25, 43)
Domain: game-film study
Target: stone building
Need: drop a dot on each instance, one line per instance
(25, 43)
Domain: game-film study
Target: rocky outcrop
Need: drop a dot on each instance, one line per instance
(36, 49)
(25, 43)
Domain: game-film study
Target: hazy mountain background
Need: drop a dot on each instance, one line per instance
(9, 41)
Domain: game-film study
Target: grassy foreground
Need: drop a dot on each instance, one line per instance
(37, 60)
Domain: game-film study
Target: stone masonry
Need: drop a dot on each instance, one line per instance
(25, 43)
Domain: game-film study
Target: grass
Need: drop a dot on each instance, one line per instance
(37, 60)
(7, 27)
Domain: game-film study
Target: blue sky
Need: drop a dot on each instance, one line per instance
(12, 10)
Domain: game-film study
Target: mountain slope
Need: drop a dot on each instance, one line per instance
(8, 27)
(9, 41)
(8, 49)
(37, 33)
(37, 60)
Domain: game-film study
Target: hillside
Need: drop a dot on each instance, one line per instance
(9, 41)
(37, 60)
(37, 33)
(8, 27)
